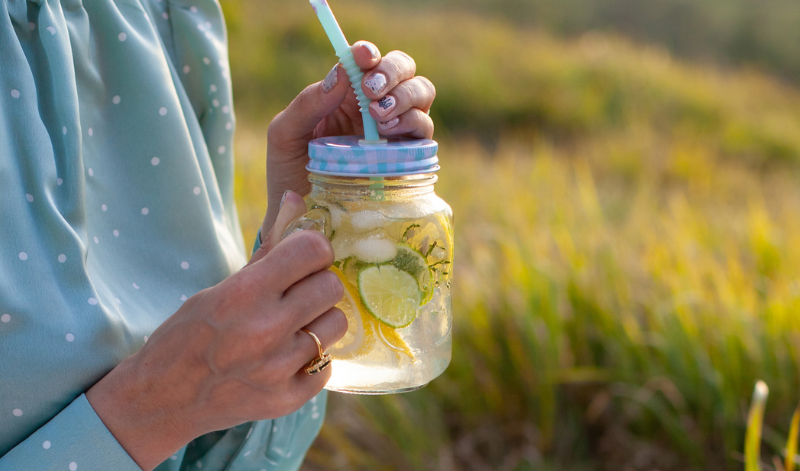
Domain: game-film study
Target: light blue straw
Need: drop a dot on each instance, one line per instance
(354, 73)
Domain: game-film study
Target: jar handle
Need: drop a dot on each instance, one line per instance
(318, 219)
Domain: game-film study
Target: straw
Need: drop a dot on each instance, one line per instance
(354, 73)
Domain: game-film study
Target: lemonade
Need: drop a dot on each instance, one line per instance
(393, 243)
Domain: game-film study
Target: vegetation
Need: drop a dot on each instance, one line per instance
(626, 245)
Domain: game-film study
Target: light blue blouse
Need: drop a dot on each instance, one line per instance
(116, 204)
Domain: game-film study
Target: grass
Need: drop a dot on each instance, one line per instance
(627, 245)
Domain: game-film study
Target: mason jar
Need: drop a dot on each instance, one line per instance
(393, 242)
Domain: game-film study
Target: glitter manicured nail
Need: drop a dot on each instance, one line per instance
(283, 198)
(331, 79)
(386, 125)
(375, 82)
(384, 106)
(372, 50)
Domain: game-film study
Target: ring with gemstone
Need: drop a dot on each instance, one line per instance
(320, 362)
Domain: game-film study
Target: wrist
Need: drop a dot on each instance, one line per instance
(131, 407)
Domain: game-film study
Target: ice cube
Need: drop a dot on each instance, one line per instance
(364, 221)
(374, 249)
(336, 216)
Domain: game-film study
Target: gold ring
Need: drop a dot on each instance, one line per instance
(322, 361)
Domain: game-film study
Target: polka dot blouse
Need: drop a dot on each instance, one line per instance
(116, 204)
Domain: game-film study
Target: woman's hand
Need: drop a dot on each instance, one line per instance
(232, 353)
(329, 108)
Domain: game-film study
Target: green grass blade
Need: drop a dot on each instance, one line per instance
(791, 443)
(752, 443)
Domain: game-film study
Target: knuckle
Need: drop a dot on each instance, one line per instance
(428, 86)
(339, 324)
(406, 60)
(316, 246)
(330, 286)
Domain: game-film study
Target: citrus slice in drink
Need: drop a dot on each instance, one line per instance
(360, 337)
(392, 339)
(413, 262)
(390, 294)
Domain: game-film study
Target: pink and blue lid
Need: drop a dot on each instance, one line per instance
(346, 156)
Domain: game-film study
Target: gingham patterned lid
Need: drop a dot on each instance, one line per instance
(344, 156)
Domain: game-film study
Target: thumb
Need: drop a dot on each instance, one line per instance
(317, 101)
(292, 207)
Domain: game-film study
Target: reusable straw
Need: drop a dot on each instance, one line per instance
(354, 73)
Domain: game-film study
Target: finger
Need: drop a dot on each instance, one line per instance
(365, 54)
(329, 328)
(292, 206)
(312, 296)
(394, 68)
(293, 259)
(413, 122)
(417, 92)
(289, 129)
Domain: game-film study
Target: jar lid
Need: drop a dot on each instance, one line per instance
(345, 156)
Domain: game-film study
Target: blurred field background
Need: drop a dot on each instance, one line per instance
(625, 177)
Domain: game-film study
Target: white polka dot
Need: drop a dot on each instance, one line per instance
(91, 132)
(213, 88)
(115, 232)
(314, 399)
(17, 412)
(162, 111)
(91, 172)
(23, 256)
(46, 445)
(146, 338)
(247, 453)
(73, 466)
(221, 149)
(226, 109)
(122, 36)
(165, 15)
(193, 9)
(59, 181)
(70, 337)
(185, 265)
(29, 197)
(62, 258)
(186, 69)
(274, 429)
(116, 99)
(225, 73)
(196, 190)
(32, 25)
(208, 24)
(92, 301)
(289, 455)
(155, 161)
(215, 102)
(173, 457)
(145, 211)
(5, 318)
(228, 125)
(117, 300)
(200, 26)
(184, 298)
(199, 464)
(315, 415)
(15, 93)
(96, 240)
(221, 63)
(135, 286)
(206, 60)
(64, 130)
(104, 207)
(51, 30)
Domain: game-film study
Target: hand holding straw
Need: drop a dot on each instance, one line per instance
(354, 73)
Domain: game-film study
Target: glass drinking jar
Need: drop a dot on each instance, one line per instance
(393, 243)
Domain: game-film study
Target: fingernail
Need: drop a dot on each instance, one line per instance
(386, 125)
(283, 198)
(375, 82)
(331, 79)
(372, 50)
(385, 105)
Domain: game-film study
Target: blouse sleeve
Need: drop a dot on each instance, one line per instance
(75, 439)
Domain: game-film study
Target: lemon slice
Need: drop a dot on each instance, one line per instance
(392, 339)
(390, 294)
(360, 337)
(411, 261)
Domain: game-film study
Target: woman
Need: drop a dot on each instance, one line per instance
(130, 335)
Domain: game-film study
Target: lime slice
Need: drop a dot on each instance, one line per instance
(411, 261)
(360, 337)
(390, 294)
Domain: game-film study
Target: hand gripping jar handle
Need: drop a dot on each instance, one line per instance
(318, 219)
